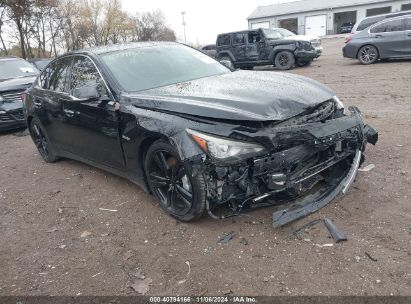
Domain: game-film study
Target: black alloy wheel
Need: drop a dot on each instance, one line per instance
(180, 194)
(284, 60)
(41, 142)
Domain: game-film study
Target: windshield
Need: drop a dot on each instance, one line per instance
(277, 33)
(152, 67)
(16, 68)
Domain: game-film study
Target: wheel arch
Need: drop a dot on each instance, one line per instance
(285, 47)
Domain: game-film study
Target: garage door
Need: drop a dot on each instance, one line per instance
(258, 25)
(316, 25)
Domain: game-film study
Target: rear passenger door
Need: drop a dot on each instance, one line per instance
(408, 36)
(389, 37)
(51, 87)
(239, 47)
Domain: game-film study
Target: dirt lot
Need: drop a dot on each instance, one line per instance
(56, 241)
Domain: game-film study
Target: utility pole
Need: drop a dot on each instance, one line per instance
(184, 26)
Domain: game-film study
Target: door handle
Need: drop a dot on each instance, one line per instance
(69, 113)
(409, 35)
(379, 36)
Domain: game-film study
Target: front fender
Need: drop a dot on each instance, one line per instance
(279, 48)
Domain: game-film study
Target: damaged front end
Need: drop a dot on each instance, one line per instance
(308, 160)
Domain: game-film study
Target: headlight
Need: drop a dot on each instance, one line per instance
(225, 149)
(338, 103)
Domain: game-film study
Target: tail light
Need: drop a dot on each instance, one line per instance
(348, 39)
(23, 97)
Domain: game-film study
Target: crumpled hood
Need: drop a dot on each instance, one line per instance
(240, 95)
(16, 83)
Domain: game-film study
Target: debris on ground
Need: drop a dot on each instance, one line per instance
(370, 257)
(244, 241)
(109, 210)
(139, 274)
(226, 238)
(324, 245)
(85, 234)
(337, 234)
(301, 230)
(128, 255)
(367, 168)
(142, 286)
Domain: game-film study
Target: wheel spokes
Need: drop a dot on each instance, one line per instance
(161, 162)
(184, 195)
(159, 181)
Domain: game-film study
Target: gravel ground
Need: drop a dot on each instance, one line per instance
(57, 241)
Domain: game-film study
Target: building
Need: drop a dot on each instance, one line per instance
(320, 17)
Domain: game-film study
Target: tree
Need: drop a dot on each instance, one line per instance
(151, 26)
(2, 23)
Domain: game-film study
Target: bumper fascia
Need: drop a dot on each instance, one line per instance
(12, 125)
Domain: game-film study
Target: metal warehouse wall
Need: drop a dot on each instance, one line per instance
(361, 13)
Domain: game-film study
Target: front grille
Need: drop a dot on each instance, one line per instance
(321, 113)
(12, 115)
(12, 96)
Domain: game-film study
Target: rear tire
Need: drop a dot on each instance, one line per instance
(284, 60)
(41, 141)
(368, 54)
(180, 194)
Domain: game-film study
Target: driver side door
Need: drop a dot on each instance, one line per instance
(92, 126)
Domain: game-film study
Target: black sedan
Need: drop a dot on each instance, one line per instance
(16, 75)
(197, 135)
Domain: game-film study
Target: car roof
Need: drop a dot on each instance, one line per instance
(122, 46)
(388, 15)
(245, 31)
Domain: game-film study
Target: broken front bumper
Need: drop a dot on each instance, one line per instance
(310, 164)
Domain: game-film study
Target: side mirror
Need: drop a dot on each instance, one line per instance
(87, 93)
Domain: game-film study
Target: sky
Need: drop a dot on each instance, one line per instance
(205, 19)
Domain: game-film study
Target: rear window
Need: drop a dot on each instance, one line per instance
(223, 40)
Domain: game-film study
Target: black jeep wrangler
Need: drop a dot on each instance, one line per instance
(247, 49)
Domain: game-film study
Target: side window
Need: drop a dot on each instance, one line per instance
(239, 38)
(223, 40)
(43, 80)
(85, 74)
(390, 26)
(408, 24)
(55, 77)
(254, 37)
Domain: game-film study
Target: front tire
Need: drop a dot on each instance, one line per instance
(368, 54)
(284, 60)
(40, 139)
(180, 194)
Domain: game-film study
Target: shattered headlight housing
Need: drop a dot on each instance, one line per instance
(338, 103)
(225, 149)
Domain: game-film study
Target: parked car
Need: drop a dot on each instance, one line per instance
(40, 63)
(16, 75)
(247, 49)
(210, 50)
(314, 40)
(196, 134)
(368, 21)
(346, 27)
(390, 38)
